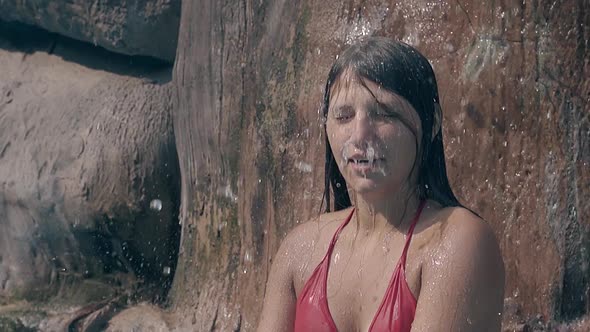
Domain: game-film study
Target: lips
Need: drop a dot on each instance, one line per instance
(364, 165)
(363, 161)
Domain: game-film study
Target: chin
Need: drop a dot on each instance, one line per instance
(366, 187)
(373, 188)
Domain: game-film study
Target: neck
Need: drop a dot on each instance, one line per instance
(393, 213)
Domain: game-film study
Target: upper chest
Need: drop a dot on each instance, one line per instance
(360, 272)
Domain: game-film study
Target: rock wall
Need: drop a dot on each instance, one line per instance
(514, 83)
(146, 27)
(86, 144)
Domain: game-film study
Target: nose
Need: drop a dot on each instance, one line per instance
(363, 129)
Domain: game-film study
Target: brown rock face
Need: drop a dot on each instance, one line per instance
(514, 83)
(88, 175)
(147, 27)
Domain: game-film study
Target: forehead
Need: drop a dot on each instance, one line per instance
(350, 89)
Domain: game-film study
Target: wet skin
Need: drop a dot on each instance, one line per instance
(454, 267)
(373, 147)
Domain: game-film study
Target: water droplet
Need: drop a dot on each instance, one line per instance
(156, 205)
(247, 257)
(370, 154)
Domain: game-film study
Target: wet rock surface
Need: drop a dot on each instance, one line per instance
(147, 27)
(86, 146)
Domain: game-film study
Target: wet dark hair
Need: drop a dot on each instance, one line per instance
(401, 69)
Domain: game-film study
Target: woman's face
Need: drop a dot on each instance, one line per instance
(373, 147)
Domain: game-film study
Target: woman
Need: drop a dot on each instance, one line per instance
(405, 255)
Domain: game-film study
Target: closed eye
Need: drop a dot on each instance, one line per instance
(394, 114)
(343, 113)
(388, 114)
(342, 117)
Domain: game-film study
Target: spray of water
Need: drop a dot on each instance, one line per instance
(369, 153)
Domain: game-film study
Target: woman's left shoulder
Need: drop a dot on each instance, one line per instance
(465, 235)
(460, 221)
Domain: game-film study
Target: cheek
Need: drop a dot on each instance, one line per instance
(406, 139)
(336, 137)
(400, 141)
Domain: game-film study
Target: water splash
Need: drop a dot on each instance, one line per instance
(369, 153)
(226, 191)
(487, 50)
(363, 23)
(247, 257)
(303, 167)
(156, 205)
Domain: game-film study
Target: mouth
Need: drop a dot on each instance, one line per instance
(363, 161)
(364, 165)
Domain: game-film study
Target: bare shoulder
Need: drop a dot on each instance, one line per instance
(462, 275)
(303, 239)
(463, 227)
(467, 239)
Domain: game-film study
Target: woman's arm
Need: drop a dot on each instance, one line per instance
(278, 311)
(463, 282)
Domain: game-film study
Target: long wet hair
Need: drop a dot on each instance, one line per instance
(401, 69)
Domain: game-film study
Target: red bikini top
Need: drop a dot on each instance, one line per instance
(397, 309)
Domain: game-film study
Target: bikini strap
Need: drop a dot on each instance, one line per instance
(325, 263)
(335, 237)
(406, 245)
(411, 232)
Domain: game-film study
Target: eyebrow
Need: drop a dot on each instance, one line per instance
(343, 108)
